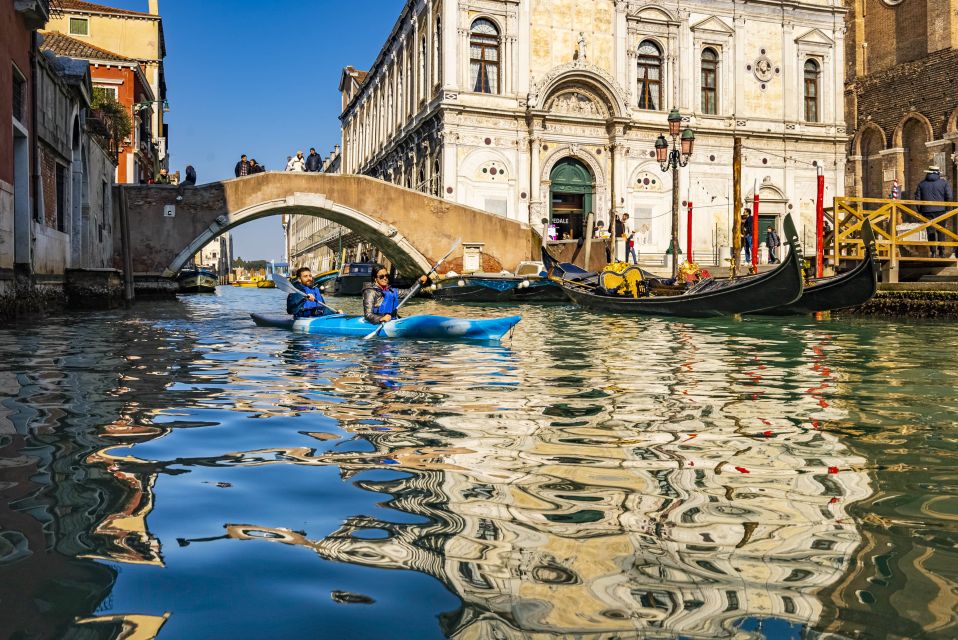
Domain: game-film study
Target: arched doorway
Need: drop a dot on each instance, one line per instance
(570, 198)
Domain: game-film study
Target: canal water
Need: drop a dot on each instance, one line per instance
(175, 471)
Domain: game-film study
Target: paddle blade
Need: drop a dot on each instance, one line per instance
(373, 333)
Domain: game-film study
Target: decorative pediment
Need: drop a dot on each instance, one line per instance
(582, 73)
(651, 13)
(714, 25)
(577, 101)
(815, 36)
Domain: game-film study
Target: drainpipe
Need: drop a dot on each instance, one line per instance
(125, 246)
(34, 139)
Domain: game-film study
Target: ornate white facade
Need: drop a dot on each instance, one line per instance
(485, 102)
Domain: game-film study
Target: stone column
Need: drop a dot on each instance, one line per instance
(536, 212)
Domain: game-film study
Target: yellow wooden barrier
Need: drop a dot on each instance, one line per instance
(897, 225)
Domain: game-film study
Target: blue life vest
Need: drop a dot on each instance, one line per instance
(389, 303)
(300, 307)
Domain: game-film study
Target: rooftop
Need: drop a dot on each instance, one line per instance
(90, 7)
(64, 45)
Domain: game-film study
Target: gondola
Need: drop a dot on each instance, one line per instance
(526, 285)
(706, 298)
(838, 292)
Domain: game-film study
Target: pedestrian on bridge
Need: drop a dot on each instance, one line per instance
(297, 164)
(314, 161)
(242, 167)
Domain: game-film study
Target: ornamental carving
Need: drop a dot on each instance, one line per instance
(579, 103)
(620, 95)
(762, 68)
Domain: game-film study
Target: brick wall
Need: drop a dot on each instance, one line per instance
(928, 86)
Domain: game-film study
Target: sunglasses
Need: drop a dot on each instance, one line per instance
(383, 276)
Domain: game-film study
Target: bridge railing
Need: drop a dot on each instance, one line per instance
(901, 231)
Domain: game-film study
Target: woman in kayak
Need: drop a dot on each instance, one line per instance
(381, 301)
(309, 303)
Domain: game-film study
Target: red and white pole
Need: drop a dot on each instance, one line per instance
(688, 233)
(755, 225)
(820, 224)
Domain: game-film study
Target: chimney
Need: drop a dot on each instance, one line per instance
(154, 7)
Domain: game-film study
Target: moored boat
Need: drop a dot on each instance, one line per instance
(265, 284)
(196, 280)
(244, 283)
(850, 289)
(423, 326)
(706, 298)
(352, 277)
(526, 285)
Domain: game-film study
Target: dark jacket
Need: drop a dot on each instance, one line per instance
(314, 162)
(933, 188)
(257, 168)
(300, 307)
(241, 169)
(772, 240)
(190, 175)
(747, 226)
(373, 297)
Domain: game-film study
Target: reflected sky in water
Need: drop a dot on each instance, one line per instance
(176, 472)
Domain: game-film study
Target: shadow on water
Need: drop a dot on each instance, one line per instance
(594, 477)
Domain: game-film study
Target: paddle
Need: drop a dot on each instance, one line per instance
(414, 289)
(288, 287)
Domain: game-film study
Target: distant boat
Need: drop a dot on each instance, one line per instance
(526, 285)
(265, 284)
(352, 277)
(246, 282)
(196, 280)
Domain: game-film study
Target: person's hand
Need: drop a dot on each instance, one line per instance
(340, 312)
(387, 318)
(311, 297)
(423, 279)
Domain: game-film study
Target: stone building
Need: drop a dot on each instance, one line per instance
(56, 183)
(133, 35)
(901, 103)
(549, 109)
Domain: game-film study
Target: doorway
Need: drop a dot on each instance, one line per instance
(570, 198)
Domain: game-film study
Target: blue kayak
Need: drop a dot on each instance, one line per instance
(425, 326)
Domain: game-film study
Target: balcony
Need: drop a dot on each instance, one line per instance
(35, 13)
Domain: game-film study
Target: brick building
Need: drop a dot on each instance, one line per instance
(901, 99)
(138, 159)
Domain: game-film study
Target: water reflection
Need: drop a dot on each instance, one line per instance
(597, 477)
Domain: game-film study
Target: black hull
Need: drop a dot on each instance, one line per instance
(838, 292)
(538, 291)
(710, 298)
(198, 289)
(350, 285)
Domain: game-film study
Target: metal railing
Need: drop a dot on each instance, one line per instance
(901, 232)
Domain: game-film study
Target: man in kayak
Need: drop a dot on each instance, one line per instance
(381, 301)
(309, 303)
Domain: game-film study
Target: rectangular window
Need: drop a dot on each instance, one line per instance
(112, 90)
(61, 174)
(19, 95)
(79, 27)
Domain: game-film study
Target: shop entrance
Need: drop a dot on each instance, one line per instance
(570, 198)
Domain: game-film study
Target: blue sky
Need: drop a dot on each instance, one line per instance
(261, 78)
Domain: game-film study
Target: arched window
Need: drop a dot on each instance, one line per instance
(484, 56)
(811, 91)
(650, 75)
(709, 81)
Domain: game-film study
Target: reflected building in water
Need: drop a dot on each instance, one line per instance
(595, 516)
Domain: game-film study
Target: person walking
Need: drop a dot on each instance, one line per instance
(934, 188)
(773, 242)
(314, 161)
(629, 234)
(297, 164)
(747, 235)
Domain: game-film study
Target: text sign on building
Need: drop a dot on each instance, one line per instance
(169, 211)
(471, 257)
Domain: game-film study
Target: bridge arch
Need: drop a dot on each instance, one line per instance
(387, 238)
(165, 225)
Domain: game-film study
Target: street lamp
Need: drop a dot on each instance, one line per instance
(672, 159)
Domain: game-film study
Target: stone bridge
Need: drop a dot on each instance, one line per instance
(412, 229)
